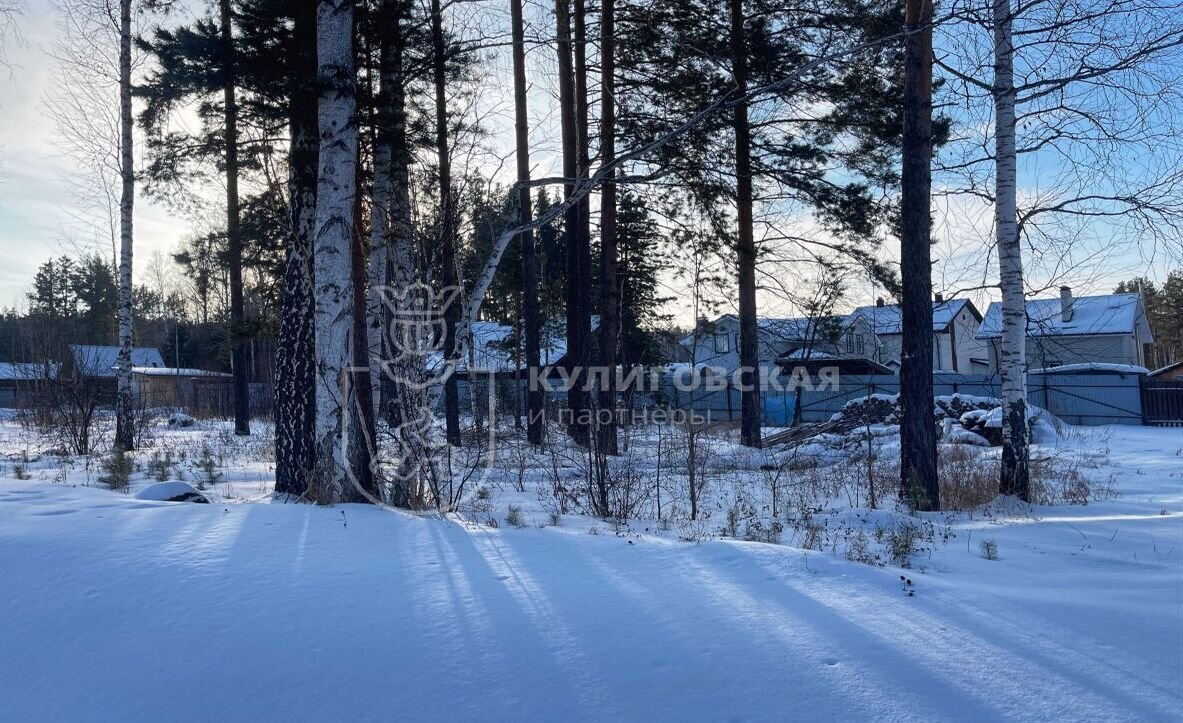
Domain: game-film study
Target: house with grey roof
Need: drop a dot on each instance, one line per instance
(716, 343)
(1108, 329)
(101, 362)
(955, 347)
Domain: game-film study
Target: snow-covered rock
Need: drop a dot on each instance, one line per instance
(174, 491)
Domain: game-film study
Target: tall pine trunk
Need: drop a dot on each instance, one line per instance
(336, 413)
(918, 452)
(530, 320)
(124, 404)
(447, 221)
(238, 350)
(609, 293)
(379, 261)
(295, 368)
(745, 251)
(576, 292)
(1012, 362)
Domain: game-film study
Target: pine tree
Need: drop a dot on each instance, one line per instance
(918, 444)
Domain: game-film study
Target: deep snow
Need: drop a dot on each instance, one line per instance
(114, 608)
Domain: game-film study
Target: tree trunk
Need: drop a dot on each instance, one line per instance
(1012, 362)
(530, 320)
(749, 349)
(336, 415)
(379, 261)
(407, 398)
(295, 369)
(367, 433)
(447, 222)
(238, 350)
(609, 293)
(124, 404)
(918, 453)
(576, 292)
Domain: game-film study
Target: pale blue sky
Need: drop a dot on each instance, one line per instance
(38, 216)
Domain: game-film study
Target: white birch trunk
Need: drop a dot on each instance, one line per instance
(124, 406)
(1013, 348)
(332, 271)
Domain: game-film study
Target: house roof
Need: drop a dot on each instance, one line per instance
(175, 372)
(1091, 315)
(889, 319)
(492, 346)
(100, 361)
(774, 329)
(28, 371)
(1167, 369)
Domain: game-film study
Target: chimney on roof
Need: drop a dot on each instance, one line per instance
(1066, 303)
(879, 302)
(940, 298)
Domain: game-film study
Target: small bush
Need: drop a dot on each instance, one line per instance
(161, 467)
(902, 543)
(20, 469)
(989, 549)
(554, 519)
(117, 470)
(514, 517)
(208, 466)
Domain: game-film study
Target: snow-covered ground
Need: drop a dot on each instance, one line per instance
(116, 608)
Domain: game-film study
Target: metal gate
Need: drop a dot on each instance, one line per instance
(1162, 402)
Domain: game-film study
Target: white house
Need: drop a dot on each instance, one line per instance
(1109, 329)
(955, 347)
(716, 344)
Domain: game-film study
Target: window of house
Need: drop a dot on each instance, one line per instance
(722, 343)
(860, 345)
(850, 343)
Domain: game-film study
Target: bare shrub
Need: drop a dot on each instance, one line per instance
(1057, 479)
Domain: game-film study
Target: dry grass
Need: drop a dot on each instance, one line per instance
(967, 479)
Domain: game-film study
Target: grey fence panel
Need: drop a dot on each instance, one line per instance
(1088, 398)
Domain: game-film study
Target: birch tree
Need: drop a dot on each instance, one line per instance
(124, 405)
(1080, 86)
(336, 415)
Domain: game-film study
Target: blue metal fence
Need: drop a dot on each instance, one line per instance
(1081, 398)
(1076, 398)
